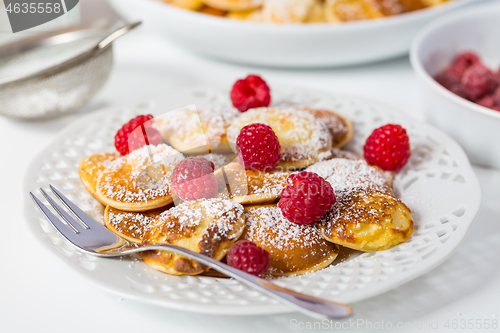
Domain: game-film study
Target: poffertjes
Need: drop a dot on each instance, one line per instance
(251, 187)
(91, 168)
(131, 225)
(303, 137)
(206, 226)
(139, 181)
(366, 216)
(190, 129)
(294, 249)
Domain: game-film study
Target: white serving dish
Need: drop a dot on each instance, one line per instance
(289, 45)
(475, 127)
(438, 185)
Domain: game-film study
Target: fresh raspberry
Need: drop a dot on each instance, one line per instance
(306, 198)
(478, 81)
(487, 101)
(459, 90)
(388, 147)
(248, 257)
(258, 147)
(251, 92)
(464, 61)
(193, 178)
(136, 134)
(449, 78)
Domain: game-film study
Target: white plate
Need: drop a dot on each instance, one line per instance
(287, 45)
(438, 185)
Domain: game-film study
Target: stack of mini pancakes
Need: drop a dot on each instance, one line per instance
(141, 207)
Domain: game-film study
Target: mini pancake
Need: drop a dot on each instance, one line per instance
(368, 221)
(351, 10)
(337, 153)
(340, 127)
(208, 226)
(366, 215)
(250, 187)
(303, 137)
(139, 181)
(347, 175)
(293, 248)
(131, 225)
(291, 11)
(230, 5)
(244, 15)
(212, 11)
(196, 131)
(186, 4)
(91, 167)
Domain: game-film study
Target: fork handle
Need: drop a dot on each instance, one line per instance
(309, 305)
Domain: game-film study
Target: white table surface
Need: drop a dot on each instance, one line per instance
(38, 293)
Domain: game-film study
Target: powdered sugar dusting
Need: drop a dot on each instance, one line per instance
(219, 160)
(130, 224)
(270, 228)
(286, 11)
(346, 175)
(301, 135)
(190, 214)
(349, 179)
(140, 176)
(192, 128)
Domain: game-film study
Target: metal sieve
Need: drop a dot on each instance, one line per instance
(56, 72)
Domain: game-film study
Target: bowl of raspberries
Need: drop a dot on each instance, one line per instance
(457, 60)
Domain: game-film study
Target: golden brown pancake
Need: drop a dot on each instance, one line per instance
(229, 5)
(250, 187)
(290, 11)
(139, 181)
(131, 225)
(293, 248)
(351, 10)
(186, 4)
(303, 137)
(368, 221)
(337, 153)
(208, 226)
(340, 127)
(196, 131)
(346, 175)
(366, 215)
(91, 167)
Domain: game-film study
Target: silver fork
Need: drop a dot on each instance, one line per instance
(92, 238)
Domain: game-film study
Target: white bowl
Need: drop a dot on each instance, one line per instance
(475, 127)
(289, 45)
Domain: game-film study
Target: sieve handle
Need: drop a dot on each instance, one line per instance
(117, 34)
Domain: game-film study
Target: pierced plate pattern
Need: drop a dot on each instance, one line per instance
(438, 185)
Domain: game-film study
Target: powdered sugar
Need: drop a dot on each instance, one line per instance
(286, 11)
(141, 175)
(130, 224)
(349, 175)
(219, 160)
(349, 179)
(190, 128)
(301, 135)
(269, 227)
(190, 214)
